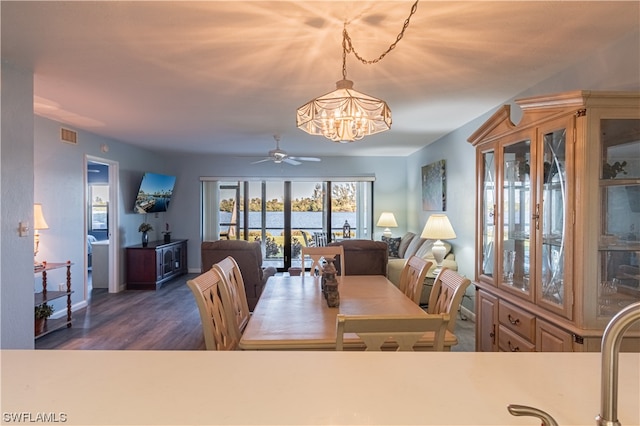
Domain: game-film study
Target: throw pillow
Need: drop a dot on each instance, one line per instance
(415, 243)
(404, 243)
(393, 244)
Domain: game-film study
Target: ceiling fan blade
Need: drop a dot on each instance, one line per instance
(263, 160)
(306, 158)
(291, 161)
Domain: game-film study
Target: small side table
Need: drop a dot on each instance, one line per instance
(47, 295)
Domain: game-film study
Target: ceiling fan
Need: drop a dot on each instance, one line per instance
(279, 156)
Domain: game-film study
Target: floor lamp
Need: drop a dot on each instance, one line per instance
(438, 228)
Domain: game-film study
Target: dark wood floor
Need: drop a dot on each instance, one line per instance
(165, 319)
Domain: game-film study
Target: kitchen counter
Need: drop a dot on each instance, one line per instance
(199, 387)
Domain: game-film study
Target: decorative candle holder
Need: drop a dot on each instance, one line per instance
(330, 283)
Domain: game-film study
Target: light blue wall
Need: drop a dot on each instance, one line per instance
(59, 185)
(16, 205)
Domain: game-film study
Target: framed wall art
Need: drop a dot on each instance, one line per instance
(434, 194)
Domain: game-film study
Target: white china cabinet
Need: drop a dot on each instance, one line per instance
(558, 221)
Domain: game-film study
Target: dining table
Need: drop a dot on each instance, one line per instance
(292, 313)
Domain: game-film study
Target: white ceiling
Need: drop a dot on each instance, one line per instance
(225, 76)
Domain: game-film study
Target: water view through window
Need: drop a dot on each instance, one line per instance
(285, 216)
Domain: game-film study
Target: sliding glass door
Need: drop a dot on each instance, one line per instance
(284, 216)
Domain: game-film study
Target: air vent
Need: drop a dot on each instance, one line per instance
(68, 136)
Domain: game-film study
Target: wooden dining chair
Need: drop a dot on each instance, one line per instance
(230, 271)
(213, 303)
(412, 277)
(317, 254)
(404, 330)
(446, 295)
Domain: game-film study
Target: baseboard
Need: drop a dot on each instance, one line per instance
(63, 312)
(466, 313)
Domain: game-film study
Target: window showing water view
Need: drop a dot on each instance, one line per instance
(284, 216)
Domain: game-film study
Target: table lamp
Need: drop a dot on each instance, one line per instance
(38, 224)
(387, 220)
(438, 228)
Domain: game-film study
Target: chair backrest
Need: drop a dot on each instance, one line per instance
(213, 300)
(446, 295)
(405, 330)
(230, 232)
(307, 241)
(412, 277)
(316, 254)
(247, 254)
(239, 310)
(364, 257)
(320, 239)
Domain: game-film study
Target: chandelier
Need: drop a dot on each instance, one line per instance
(346, 115)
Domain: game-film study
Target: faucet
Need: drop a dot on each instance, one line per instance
(524, 410)
(610, 348)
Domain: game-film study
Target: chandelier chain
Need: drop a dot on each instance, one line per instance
(347, 44)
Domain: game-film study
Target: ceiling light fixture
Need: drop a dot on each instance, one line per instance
(346, 115)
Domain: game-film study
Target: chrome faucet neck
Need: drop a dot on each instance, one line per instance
(610, 348)
(525, 410)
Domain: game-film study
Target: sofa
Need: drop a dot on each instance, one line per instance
(363, 257)
(248, 255)
(402, 248)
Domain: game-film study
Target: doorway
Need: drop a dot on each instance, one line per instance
(101, 225)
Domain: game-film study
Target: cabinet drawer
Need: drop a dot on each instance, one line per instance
(508, 341)
(517, 320)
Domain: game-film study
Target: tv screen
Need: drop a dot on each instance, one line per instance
(155, 193)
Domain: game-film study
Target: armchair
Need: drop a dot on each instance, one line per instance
(248, 255)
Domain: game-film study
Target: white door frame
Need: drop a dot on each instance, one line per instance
(114, 236)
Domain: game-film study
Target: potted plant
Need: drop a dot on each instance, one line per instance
(42, 312)
(145, 228)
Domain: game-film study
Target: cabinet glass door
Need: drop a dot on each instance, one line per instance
(488, 218)
(550, 219)
(619, 244)
(516, 218)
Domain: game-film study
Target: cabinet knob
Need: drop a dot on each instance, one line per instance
(514, 321)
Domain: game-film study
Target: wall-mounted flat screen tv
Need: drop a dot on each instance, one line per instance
(155, 193)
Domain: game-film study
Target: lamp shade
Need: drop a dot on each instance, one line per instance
(438, 227)
(344, 115)
(38, 217)
(387, 220)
